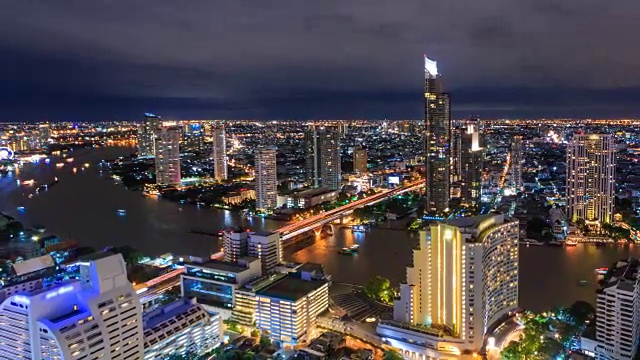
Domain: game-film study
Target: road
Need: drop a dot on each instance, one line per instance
(302, 226)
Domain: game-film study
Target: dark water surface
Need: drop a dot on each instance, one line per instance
(83, 206)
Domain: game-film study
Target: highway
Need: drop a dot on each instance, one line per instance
(299, 227)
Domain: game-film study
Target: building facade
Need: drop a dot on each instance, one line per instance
(147, 134)
(267, 247)
(180, 328)
(360, 160)
(471, 157)
(167, 156)
(516, 162)
(234, 244)
(98, 316)
(591, 179)
(266, 178)
(219, 153)
(464, 279)
(322, 157)
(437, 137)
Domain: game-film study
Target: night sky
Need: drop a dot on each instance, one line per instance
(323, 59)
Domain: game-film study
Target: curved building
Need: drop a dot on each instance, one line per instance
(464, 279)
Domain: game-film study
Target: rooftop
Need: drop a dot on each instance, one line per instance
(291, 288)
(228, 266)
(470, 221)
(264, 233)
(167, 312)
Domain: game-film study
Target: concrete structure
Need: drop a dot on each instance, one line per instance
(98, 316)
(323, 160)
(147, 134)
(360, 160)
(219, 153)
(516, 163)
(266, 178)
(180, 327)
(239, 196)
(234, 244)
(464, 279)
(617, 309)
(437, 137)
(591, 178)
(266, 247)
(287, 309)
(192, 141)
(467, 162)
(167, 156)
(244, 311)
(308, 198)
(214, 283)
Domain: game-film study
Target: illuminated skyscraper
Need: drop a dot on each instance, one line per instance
(219, 153)
(591, 178)
(437, 118)
(470, 162)
(516, 162)
(167, 156)
(96, 316)
(464, 278)
(360, 159)
(323, 160)
(266, 178)
(147, 134)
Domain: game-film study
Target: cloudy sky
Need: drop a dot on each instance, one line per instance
(299, 59)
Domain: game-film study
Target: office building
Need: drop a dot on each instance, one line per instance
(147, 134)
(470, 161)
(219, 153)
(308, 198)
(167, 156)
(193, 139)
(591, 179)
(96, 317)
(437, 118)
(266, 246)
(234, 244)
(266, 178)
(246, 301)
(360, 160)
(464, 279)
(44, 130)
(287, 309)
(516, 163)
(617, 309)
(214, 283)
(179, 328)
(322, 156)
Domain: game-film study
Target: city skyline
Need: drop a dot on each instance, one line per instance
(360, 60)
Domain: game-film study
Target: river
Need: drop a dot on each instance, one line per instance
(83, 207)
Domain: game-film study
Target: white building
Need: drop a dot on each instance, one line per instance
(147, 134)
(219, 153)
(266, 178)
(288, 309)
(179, 328)
(214, 283)
(98, 316)
(167, 156)
(234, 244)
(591, 178)
(464, 279)
(330, 159)
(617, 314)
(266, 247)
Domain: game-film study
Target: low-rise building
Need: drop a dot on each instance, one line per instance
(180, 327)
(237, 197)
(309, 198)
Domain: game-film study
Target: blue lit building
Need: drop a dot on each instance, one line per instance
(214, 283)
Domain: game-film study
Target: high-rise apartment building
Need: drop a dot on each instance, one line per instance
(470, 162)
(97, 316)
(193, 139)
(437, 118)
(147, 134)
(464, 278)
(323, 160)
(516, 162)
(266, 178)
(360, 160)
(167, 156)
(44, 130)
(591, 178)
(617, 309)
(219, 153)
(266, 247)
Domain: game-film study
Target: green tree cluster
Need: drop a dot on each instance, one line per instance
(379, 289)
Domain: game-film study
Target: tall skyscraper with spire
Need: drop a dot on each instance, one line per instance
(437, 137)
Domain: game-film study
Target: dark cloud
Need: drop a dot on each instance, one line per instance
(304, 59)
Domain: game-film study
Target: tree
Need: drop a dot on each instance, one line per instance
(255, 333)
(379, 289)
(580, 312)
(265, 341)
(392, 355)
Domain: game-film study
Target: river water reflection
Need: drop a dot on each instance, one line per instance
(83, 206)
